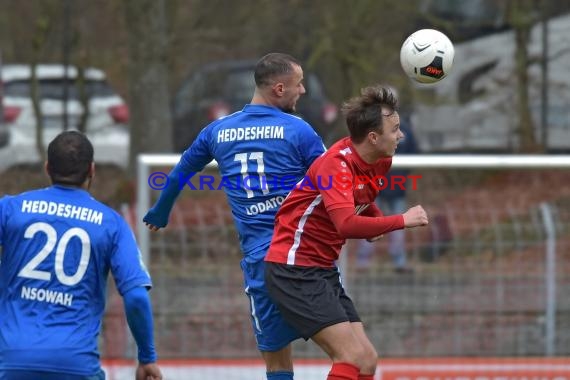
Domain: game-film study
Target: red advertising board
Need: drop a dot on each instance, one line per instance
(474, 369)
(389, 369)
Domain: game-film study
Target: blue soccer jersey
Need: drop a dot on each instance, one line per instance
(261, 153)
(59, 245)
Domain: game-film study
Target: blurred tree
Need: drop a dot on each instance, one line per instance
(43, 28)
(522, 15)
(354, 44)
(148, 78)
(78, 32)
(349, 44)
(67, 37)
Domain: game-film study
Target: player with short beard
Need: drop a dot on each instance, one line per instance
(263, 143)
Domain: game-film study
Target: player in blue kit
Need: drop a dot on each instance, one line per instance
(267, 150)
(59, 245)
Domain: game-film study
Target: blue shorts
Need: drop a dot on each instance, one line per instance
(15, 374)
(272, 333)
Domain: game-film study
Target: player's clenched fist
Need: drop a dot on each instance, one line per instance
(415, 217)
(148, 371)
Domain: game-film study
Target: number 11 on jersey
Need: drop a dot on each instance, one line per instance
(244, 159)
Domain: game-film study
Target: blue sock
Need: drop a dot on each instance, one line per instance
(280, 375)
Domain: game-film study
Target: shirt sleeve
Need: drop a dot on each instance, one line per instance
(193, 160)
(139, 317)
(199, 154)
(334, 183)
(127, 266)
(372, 210)
(311, 145)
(352, 226)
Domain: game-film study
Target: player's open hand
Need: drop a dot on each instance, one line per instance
(415, 217)
(148, 371)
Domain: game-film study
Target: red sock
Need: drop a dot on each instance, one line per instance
(365, 377)
(343, 371)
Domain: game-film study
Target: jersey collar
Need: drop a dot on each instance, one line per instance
(359, 160)
(259, 108)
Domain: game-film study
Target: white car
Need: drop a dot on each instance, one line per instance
(106, 120)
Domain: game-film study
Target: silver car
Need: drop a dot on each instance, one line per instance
(105, 118)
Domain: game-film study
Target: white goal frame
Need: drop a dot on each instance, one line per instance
(425, 161)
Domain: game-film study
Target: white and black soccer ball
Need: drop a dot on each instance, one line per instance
(427, 56)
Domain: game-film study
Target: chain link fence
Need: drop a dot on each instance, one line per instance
(483, 284)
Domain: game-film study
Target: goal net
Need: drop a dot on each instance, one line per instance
(490, 281)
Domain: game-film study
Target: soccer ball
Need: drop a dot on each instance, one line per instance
(427, 56)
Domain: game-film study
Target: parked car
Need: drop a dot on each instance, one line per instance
(105, 121)
(459, 20)
(221, 88)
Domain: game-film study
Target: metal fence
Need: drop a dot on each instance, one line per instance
(492, 274)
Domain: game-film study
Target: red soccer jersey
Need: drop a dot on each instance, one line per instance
(340, 180)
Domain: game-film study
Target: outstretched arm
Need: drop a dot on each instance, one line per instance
(157, 216)
(373, 211)
(193, 160)
(351, 226)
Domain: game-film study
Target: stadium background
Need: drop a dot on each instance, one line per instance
(480, 292)
(479, 297)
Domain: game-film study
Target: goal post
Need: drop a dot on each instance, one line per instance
(490, 287)
(144, 164)
(424, 161)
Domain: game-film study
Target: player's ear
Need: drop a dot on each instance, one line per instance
(373, 137)
(91, 172)
(90, 175)
(46, 168)
(278, 88)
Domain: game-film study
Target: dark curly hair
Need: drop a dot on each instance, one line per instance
(364, 113)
